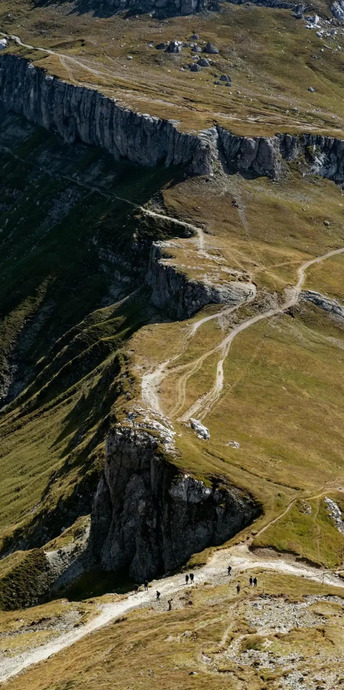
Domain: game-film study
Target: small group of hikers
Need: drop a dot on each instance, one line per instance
(190, 578)
(252, 580)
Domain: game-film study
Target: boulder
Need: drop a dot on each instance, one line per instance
(162, 46)
(211, 49)
(298, 11)
(174, 47)
(226, 77)
(203, 62)
(201, 430)
(194, 67)
(196, 49)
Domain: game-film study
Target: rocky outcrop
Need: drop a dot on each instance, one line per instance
(79, 113)
(256, 156)
(337, 10)
(250, 155)
(180, 296)
(161, 8)
(168, 8)
(148, 518)
(324, 302)
(277, 4)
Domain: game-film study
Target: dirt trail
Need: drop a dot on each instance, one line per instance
(239, 557)
(63, 57)
(204, 405)
(151, 381)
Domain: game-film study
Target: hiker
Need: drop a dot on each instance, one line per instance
(191, 577)
(238, 589)
(157, 595)
(186, 579)
(146, 585)
(251, 581)
(170, 604)
(229, 569)
(255, 581)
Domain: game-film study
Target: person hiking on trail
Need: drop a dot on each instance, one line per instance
(170, 604)
(229, 569)
(251, 581)
(255, 581)
(187, 579)
(146, 584)
(157, 595)
(238, 589)
(191, 577)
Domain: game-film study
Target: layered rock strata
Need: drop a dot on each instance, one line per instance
(79, 113)
(148, 518)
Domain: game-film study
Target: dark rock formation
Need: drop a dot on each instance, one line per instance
(85, 114)
(148, 518)
(277, 4)
(168, 8)
(78, 113)
(323, 302)
(161, 8)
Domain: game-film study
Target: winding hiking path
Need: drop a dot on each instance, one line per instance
(204, 404)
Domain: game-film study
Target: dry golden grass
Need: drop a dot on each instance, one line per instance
(158, 649)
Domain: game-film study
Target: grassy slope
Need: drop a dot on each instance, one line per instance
(66, 251)
(283, 391)
(270, 77)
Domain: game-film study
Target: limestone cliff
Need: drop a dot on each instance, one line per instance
(148, 518)
(79, 113)
(180, 296)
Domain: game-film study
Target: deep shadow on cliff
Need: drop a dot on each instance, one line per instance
(148, 518)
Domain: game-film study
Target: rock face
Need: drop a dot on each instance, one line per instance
(323, 302)
(161, 8)
(181, 297)
(338, 10)
(278, 4)
(79, 113)
(168, 8)
(148, 518)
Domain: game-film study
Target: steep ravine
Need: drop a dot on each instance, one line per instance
(148, 517)
(79, 113)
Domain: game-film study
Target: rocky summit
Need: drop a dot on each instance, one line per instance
(171, 345)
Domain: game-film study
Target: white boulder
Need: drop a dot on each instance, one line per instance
(201, 430)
